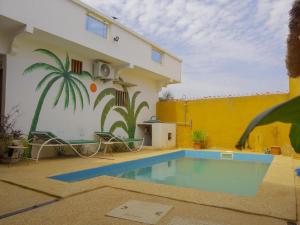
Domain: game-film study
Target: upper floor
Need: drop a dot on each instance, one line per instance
(75, 24)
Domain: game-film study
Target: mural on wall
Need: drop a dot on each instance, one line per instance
(129, 112)
(70, 84)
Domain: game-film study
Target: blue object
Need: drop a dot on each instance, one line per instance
(193, 169)
(297, 171)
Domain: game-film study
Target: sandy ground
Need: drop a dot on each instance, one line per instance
(274, 203)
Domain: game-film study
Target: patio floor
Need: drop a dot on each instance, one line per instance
(88, 201)
(15, 198)
(91, 207)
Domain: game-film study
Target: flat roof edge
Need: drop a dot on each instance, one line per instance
(95, 11)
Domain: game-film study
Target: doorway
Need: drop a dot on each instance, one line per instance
(2, 71)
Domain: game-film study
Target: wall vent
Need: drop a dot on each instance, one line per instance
(228, 155)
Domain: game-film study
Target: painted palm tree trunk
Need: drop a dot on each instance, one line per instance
(38, 109)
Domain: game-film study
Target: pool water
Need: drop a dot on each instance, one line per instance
(228, 176)
(242, 174)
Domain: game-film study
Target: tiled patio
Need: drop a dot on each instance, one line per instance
(88, 201)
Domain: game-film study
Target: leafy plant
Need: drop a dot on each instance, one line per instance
(167, 95)
(7, 124)
(199, 136)
(70, 84)
(8, 132)
(129, 113)
(286, 112)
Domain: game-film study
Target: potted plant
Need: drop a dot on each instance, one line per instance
(199, 139)
(275, 150)
(9, 136)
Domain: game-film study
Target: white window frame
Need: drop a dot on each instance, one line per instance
(100, 21)
(155, 50)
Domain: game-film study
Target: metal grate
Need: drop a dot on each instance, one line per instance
(226, 155)
(121, 98)
(76, 66)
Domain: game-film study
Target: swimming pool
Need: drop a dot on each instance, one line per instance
(205, 170)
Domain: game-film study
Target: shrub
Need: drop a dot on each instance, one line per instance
(199, 136)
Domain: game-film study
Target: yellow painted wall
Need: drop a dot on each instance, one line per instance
(224, 120)
(294, 84)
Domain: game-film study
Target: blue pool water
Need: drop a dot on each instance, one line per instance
(192, 169)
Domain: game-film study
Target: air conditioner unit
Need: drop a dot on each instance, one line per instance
(103, 71)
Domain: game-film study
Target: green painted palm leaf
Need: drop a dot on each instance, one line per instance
(47, 77)
(85, 74)
(103, 94)
(43, 66)
(78, 92)
(59, 93)
(80, 84)
(128, 112)
(118, 124)
(73, 96)
(133, 100)
(123, 112)
(52, 56)
(67, 63)
(70, 85)
(139, 109)
(67, 94)
(109, 105)
(286, 112)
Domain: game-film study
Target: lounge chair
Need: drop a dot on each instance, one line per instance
(48, 139)
(109, 139)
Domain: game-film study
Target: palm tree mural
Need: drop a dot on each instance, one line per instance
(70, 84)
(129, 113)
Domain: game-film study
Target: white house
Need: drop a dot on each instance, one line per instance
(94, 43)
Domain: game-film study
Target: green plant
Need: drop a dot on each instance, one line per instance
(167, 95)
(199, 136)
(7, 128)
(70, 83)
(286, 112)
(129, 112)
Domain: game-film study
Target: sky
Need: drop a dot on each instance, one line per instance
(228, 47)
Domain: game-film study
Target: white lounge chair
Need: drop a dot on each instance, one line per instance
(48, 139)
(108, 139)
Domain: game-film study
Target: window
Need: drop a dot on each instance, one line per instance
(156, 56)
(76, 66)
(121, 98)
(96, 26)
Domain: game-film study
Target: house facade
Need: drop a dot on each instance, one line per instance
(73, 71)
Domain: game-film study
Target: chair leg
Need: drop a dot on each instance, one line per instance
(107, 148)
(111, 150)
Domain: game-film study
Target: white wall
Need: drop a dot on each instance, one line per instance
(20, 90)
(66, 19)
(5, 42)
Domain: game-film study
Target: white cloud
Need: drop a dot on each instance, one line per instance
(215, 38)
